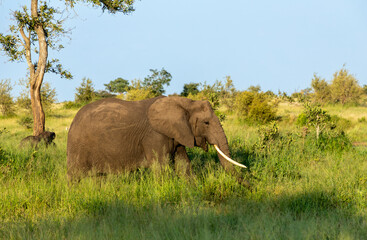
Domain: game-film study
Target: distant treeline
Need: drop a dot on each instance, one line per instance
(252, 104)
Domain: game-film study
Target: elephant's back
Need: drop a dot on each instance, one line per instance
(111, 110)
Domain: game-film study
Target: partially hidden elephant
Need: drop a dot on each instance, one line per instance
(47, 138)
(113, 135)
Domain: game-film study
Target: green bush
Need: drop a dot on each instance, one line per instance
(24, 101)
(73, 105)
(301, 119)
(333, 141)
(362, 120)
(6, 100)
(25, 121)
(324, 131)
(255, 107)
(137, 94)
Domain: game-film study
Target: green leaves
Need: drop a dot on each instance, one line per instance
(112, 6)
(10, 45)
(255, 107)
(344, 89)
(119, 85)
(15, 45)
(54, 66)
(85, 93)
(190, 88)
(156, 81)
(6, 100)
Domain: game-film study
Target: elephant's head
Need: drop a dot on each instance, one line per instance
(190, 123)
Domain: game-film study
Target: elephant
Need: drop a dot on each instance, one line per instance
(112, 135)
(34, 141)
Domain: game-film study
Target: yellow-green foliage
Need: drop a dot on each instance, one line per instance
(255, 107)
(137, 92)
(6, 100)
(344, 89)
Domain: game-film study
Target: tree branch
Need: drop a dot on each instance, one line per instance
(27, 47)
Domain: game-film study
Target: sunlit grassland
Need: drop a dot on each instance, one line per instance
(298, 191)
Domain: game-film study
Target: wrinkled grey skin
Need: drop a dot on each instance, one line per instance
(33, 141)
(112, 135)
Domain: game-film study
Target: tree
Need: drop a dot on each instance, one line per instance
(41, 25)
(119, 85)
(345, 88)
(316, 117)
(321, 89)
(6, 100)
(85, 93)
(156, 81)
(190, 88)
(254, 89)
(228, 93)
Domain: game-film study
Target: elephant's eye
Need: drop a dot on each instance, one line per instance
(206, 122)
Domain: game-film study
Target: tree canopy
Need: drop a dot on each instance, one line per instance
(43, 24)
(190, 88)
(156, 81)
(119, 85)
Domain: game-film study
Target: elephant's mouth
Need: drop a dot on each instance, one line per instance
(202, 143)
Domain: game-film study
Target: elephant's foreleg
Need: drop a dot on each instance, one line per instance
(182, 161)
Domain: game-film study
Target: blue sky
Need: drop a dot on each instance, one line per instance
(278, 45)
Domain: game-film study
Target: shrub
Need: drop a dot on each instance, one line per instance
(362, 120)
(72, 105)
(322, 92)
(85, 93)
(335, 140)
(24, 101)
(329, 130)
(267, 133)
(101, 94)
(26, 122)
(6, 100)
(255, 107)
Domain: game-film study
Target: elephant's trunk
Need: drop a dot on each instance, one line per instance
(222, 147)
(227, 162)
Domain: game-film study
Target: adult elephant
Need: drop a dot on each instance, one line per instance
(112, 135)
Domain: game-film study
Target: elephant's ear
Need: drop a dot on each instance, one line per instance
(168, 117)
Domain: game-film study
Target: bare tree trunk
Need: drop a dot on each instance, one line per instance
(36, 75)
(37, 109)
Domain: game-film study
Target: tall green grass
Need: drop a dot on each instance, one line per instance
(299, 191)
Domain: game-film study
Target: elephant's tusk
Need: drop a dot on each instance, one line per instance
(227, 158)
